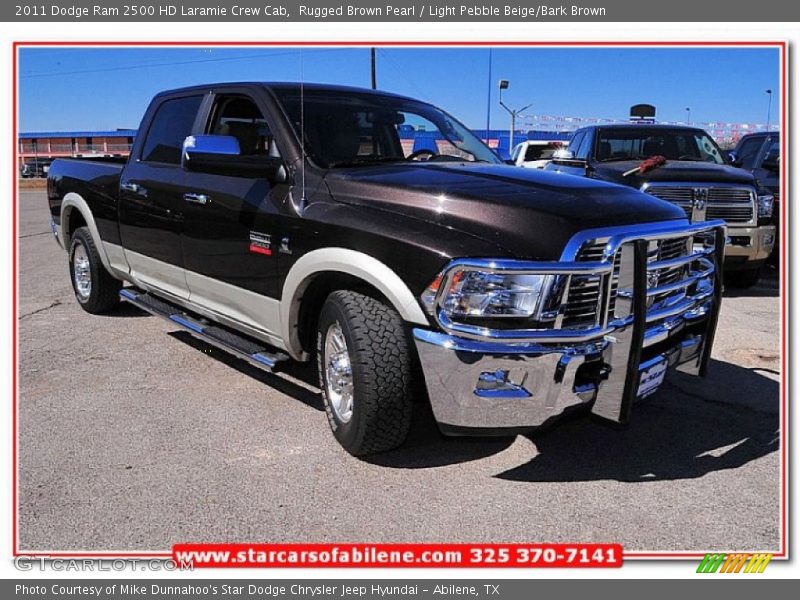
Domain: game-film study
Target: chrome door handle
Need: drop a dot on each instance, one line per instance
(196, 198)
(133, 187)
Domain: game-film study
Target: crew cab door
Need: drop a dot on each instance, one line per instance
(229, 250)
(767, 174)
(151, 197)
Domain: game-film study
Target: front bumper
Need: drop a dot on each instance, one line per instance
(491, 385)
(541, 382)
(748, 244)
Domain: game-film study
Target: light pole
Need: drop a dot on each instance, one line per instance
(503, 85)
(373, 70)
(769, 107)
(688, 116)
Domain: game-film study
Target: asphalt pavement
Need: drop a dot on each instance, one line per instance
(135, 436)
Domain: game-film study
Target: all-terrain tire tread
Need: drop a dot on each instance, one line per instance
(382, 361)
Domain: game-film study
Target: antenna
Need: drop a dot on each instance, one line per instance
(302, 133)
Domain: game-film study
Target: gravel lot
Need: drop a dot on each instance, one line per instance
(134, 436)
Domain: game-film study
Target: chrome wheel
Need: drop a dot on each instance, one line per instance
(81, 272)
(338, 373)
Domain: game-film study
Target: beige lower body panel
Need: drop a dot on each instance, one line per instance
(245, 311)
(117, 261)
(246, 307)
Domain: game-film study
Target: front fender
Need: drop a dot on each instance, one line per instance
(350, 262)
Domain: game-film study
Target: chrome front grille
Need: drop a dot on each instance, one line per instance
(672, 248)
(731, 214)
(670, 277)
(658, 252)
(729, 194)
(673, 194)
(665, 250)
(701, 202)
(582, 301)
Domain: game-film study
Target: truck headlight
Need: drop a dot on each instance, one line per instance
(475, 293)
(765, 203)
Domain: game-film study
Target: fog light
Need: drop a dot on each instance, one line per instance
(502, 383)
(768, 239)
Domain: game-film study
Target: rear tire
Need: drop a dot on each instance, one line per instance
(95, 289)
(744, 279)
(365, 369)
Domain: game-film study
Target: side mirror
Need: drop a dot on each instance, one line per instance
(734, 159)
(563, 154)
(221, 155)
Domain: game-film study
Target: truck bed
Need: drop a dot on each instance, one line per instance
(94, 179)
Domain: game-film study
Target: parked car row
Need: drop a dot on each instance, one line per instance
(37, 167)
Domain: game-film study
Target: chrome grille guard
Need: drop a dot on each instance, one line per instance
(692, 295)
(627, 334)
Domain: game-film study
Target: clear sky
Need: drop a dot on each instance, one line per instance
(109, 88)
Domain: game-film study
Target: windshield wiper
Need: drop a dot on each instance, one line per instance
(364, 160)
(621, 158)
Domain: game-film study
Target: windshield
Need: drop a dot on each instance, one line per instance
(541, 152)
(638, 144)
(345, 129)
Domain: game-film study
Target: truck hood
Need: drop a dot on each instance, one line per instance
(530, 213)
(675, 171)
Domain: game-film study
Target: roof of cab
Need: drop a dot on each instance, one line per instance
(282, 85)
(656, 126)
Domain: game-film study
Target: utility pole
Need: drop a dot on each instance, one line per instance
(503, 85)
(769, 108)
(688, 116)
(489, 99)
(374, 74)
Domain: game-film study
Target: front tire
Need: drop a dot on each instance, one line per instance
(95, 289)
(744, 279)
(365, 370)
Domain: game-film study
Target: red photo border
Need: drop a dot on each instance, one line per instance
(783, 270)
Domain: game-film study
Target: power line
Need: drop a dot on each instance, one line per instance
(174, 63)
(400, 72)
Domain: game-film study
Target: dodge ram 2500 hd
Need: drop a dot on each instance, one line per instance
(695, 176)
(281, 221)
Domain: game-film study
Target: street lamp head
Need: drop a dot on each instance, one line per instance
(503, 84)
(769, 92)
